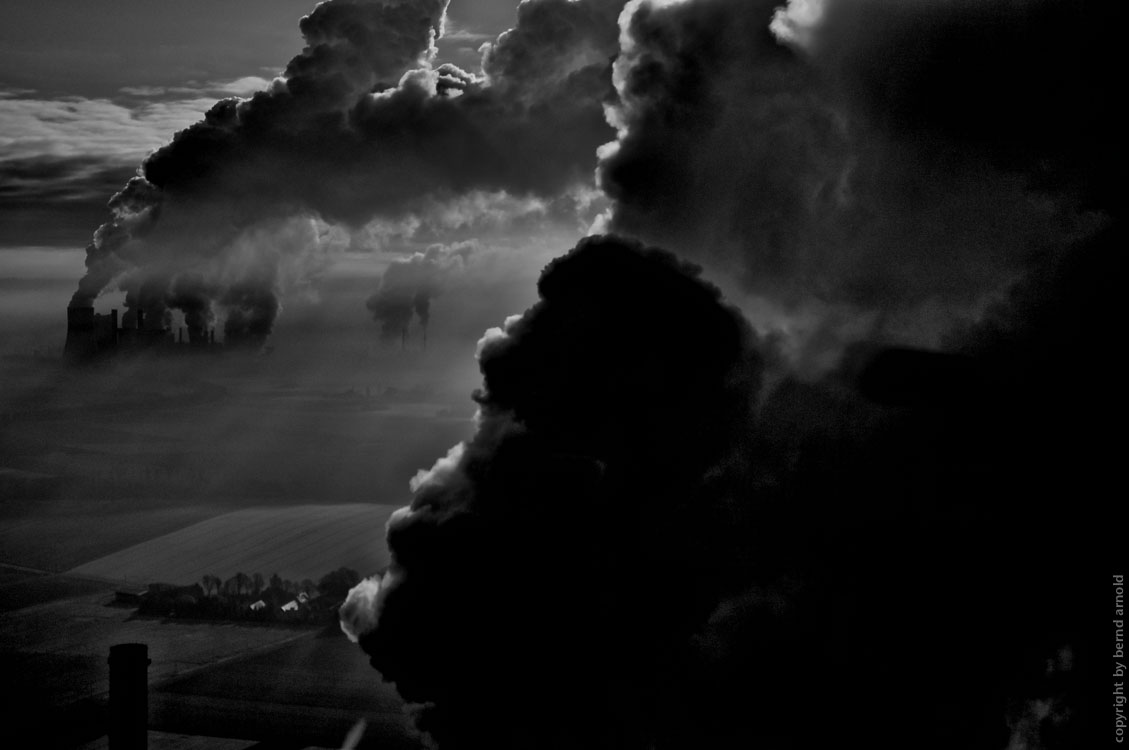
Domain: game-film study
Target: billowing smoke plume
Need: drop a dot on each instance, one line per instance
(634, 528)
(894, 163)
(147, 300)
(626, 555)
(409, 285)
(360, 127)
(190, 294)
(358, 614)
(563, 553)
(251, 310)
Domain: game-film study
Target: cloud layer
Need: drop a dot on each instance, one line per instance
(642, 523)
(896, 161)
(556, 540)
(869, 161)
(361, 128)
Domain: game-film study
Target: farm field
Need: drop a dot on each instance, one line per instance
(55, 654)
(150, 473)
(21, 588)
(59, 534)
(255, 697)
(300, 542)
(82, 629)
(170, 741)
(155, 437)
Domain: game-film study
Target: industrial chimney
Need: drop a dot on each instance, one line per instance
(81, 341)
(129, 697)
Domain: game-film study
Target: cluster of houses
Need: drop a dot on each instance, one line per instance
(244, 597)
(303, 599)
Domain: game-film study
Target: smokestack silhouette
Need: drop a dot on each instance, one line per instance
(89, 334)
(129, 697)
(80, 332)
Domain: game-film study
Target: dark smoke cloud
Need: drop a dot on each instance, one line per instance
(903, 552)
(552, 41)
(636, 528)
(408, 286)
(1022, 86)
(562, 554)
(892, 160)
(355, 45)
(361, 127)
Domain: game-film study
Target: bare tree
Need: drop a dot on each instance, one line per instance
(211, 584)
(242, 582)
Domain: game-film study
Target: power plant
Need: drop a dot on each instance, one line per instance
(91, 335)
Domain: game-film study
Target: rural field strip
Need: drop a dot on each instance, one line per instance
(25, 569)
(77, 533)
(179, 672)
(295, 542)
(181, 549)
(223, 541)
(250, 541)
(272, 549)
(305, 547)
(227, 540)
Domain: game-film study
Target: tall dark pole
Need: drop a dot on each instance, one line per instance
(129, 696)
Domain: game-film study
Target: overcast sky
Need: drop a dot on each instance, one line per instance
(92, 87)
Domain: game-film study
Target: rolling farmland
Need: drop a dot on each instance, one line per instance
(150, 473)
(58, 535)
(255, 697)
(295, 542)
(55, 654)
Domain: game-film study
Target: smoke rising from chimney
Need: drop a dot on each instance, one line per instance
(359, 128)
(408, 286)
(190, 294)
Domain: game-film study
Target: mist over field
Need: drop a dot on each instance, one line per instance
(128, 474)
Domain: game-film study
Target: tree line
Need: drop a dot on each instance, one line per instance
(252, 597)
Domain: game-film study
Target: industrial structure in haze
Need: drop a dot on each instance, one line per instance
(90, 334)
